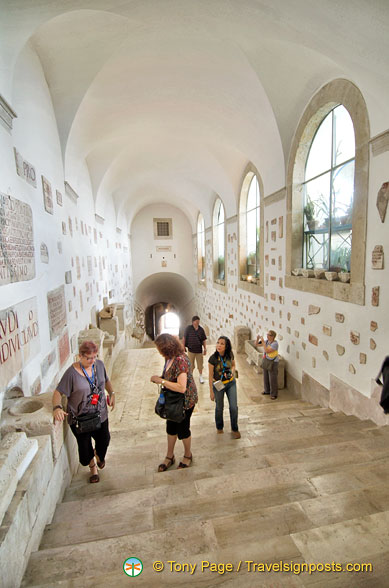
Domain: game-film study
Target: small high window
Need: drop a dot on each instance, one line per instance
(219, 242)
(163, 228)
(201, 248)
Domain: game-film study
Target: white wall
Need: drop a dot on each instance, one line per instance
(35, 136)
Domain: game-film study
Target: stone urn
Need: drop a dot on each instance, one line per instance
(344, 277)
(308, 273)
(331, 276)
(319, 274)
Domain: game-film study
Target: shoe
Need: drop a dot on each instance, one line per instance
(273, 397)
(163, 467)
(201, 379)
(236, 434)
(182, 465)
(219, 431)
(94, 477)
(100, 464)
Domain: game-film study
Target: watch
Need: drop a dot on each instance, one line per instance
(162, 382)
(57, 406)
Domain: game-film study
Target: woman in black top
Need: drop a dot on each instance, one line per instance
(222, 382)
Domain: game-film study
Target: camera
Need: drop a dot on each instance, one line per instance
(227, 375)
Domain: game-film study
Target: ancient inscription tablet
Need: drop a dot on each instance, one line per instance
(57, 311)
(17, 259)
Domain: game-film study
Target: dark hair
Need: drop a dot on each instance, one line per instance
(228, 351)
(195, 318)
(169, 346)
(87, 347)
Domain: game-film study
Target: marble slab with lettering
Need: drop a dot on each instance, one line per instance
(19, 338)
(56, 311)
(47, 196)
(17, 256)
(49, 360)
(44, 253)
(63, 348)
(377, 257)
(24, 169)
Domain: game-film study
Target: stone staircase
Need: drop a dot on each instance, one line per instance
(303, 484)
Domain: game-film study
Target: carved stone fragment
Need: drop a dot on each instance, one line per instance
(313, 339)
(327, 330)
(351, 369)
(362, 358)
(382, 200)
(377, 257)
(373, 344)
(373, 326)
(354, 337)
(313, 309)
(313, 362)
(325, 354)
(340, 349)
(339, 317)
(375, 296)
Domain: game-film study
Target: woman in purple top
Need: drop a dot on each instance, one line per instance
(83, 384)
(177, 376)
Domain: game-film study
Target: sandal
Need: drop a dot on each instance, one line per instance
(182, 465)
(100, 464)
(94, 477)
(163, 467)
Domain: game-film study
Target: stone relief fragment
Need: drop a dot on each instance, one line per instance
(44, 253)
(373, 326)
(17, 256)
(382, 200)
(377, 257)
(375, 296)
(352, 369)
(313, 339)
(362, 358)
(59, 198)
(47, 195)
(339, 317)
(354, 337)
(313, 309)
(340, 349)
(373, 344)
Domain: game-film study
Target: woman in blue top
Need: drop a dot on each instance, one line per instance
(222, 381)
(270, 365)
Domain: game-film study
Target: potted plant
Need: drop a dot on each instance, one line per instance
(309, 212)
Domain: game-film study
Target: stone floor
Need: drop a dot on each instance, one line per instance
(303, 484)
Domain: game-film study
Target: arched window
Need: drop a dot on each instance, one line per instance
(253, 229)
(201, 248)
(327, 194)
(219, 242)
(328, 189)
(251, 246)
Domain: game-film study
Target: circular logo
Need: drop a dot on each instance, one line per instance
(133, 566)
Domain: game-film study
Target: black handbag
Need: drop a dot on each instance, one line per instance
(173, 407)
(87, 423)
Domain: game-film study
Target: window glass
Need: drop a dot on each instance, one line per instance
(219, 246)
(329, 193)
(201, 247)
(253, 229)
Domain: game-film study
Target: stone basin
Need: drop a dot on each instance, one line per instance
(25, 407)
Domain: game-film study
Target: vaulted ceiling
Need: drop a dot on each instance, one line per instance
(168, 100)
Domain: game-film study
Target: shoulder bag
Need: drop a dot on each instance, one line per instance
(173, 407)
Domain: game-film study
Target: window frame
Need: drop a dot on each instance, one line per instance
(201, 262)
(332, 94)
(255, 286)
(215, 243)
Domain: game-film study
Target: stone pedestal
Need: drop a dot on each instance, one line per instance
(241, 334)
(95, 335)
(111, 325)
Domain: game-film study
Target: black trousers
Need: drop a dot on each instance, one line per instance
(182, 429)
(84, 442)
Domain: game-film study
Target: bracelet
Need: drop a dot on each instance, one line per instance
(57, 406)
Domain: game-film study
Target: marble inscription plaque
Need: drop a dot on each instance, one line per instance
(63, 348)
(78, 268)
(375, 296)
(68, 277)
(377, 257)
(17, 259)
(19, 338)
(44, 253)
(56, 311)
(90, 265)
(36, 387)
(47, 196)
(59, 198)
(48, 362)
(24, 169)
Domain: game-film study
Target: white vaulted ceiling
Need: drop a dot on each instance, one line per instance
(168, 100)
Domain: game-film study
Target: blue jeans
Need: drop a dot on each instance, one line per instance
(230, 392)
